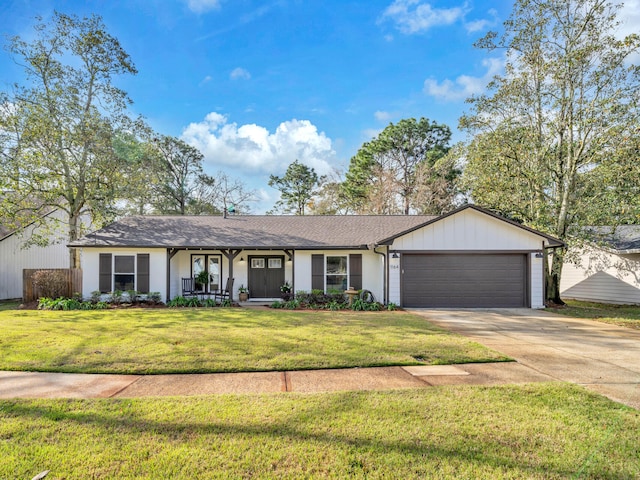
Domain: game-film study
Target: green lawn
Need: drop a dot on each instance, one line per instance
(223, 340)
(541, 431)
(623, 315)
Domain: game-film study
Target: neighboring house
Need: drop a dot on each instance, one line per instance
(17, 253)
(606, 270)
(467, 258)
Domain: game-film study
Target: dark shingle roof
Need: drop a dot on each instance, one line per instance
(259, 231)
(621, 238)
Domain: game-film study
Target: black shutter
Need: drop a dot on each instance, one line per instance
(355, 271)
(317, 272)
(104, 283)
(143, 273)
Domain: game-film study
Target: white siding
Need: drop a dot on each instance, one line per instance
(394, 280)
(91, 268)
(601, 276)
(469, 230)
(14, 258)
(537, 281)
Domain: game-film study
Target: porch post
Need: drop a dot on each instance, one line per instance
(230, 255)
(171, 252)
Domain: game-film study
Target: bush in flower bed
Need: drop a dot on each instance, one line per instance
(62, 303)
(100, 301)
(332, 300)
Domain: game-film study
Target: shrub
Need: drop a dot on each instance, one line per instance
(209, 302)
(178, 301)
(133, 296)
(181, 302)
(115, 297)
(154, 297)
(50, 283)
(62, 303)
(96, 296)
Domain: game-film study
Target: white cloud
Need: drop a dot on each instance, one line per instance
(252, 150)
(482, 24)
(205, 80)
(239, 74)
(465, 85)
(201, 6)
(383, 116)
(411, 16)
(629, 15)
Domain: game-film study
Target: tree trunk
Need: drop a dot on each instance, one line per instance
(553, 276)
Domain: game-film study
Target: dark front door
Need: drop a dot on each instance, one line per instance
(266, 275)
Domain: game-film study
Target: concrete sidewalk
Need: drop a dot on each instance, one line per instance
(68, 385)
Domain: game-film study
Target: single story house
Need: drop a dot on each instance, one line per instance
(605, 270)
(470, 257)
(18, 251)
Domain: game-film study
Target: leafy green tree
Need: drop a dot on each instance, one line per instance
(58, 126)
(387, 174)
(297, 187)
(179, 175)
(548, 135)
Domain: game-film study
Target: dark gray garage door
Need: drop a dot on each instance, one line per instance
(464, 281)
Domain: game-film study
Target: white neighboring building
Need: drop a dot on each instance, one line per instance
(470, 257)
(607, 271)
(15, 256)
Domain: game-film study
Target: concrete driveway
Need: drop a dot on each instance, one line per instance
(604, 358)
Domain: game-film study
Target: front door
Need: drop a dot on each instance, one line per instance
(266, 276)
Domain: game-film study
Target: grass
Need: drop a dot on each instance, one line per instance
(8, 305)
(622, 315)
(154, 341)
(541, 431)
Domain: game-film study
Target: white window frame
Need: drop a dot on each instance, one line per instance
(275, 263)
(327, 274)
(258, 263)
(114, 273)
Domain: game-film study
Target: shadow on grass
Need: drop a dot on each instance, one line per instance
(323, 424)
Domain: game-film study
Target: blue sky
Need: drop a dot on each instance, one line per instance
(256, 84)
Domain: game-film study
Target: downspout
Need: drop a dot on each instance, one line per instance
(385, 273)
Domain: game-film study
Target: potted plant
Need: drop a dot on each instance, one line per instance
(202, 280)
(243, 293)
(285, 292)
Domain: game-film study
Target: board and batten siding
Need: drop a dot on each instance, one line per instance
(602, 276)
(472, 232)
(469, 230)
(14, 259)
(157, 278)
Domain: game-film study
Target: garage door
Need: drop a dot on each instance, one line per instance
(464, 281)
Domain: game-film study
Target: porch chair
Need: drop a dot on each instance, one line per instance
(188, 287)
(226, 293)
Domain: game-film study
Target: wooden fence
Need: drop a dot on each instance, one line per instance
(72, 276)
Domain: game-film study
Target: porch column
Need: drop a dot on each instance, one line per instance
(230, 255)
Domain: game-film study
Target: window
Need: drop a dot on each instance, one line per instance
(257, 263)
(337, 273)
(124, 272)
(275, 263)
(210, 264)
